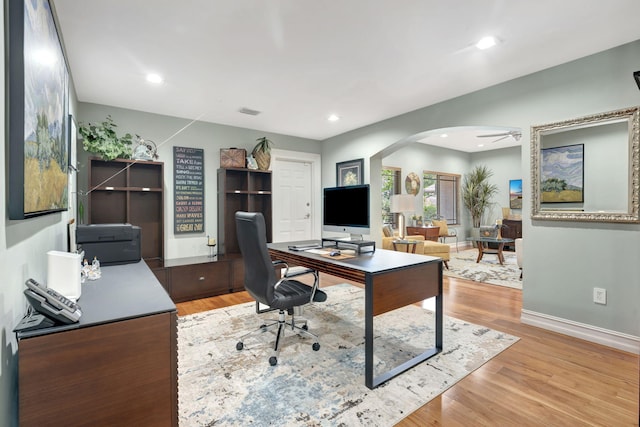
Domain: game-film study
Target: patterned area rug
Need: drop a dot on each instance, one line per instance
(219, 385)
(488, 270)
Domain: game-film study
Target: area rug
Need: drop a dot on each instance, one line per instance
(488, 270)
(218, 385)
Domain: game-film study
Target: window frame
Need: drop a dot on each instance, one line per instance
(457, 178)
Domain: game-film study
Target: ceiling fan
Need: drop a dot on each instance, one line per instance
(515, 134)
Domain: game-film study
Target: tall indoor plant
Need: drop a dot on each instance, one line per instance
(477, 193)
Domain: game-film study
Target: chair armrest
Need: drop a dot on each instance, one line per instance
(298, 272)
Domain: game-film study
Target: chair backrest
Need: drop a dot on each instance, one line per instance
(444, 228)
(259, 274)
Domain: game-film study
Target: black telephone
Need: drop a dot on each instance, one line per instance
(50, 303)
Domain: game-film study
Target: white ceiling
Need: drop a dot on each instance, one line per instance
(298, 61)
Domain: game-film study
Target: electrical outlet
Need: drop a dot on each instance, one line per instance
(599, 296)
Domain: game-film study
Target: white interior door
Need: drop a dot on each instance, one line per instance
(293, 204)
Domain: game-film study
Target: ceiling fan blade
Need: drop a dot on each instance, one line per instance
(494, 135)
(501, 138)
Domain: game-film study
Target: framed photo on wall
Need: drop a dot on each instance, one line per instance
(349, 173)
(37, 111)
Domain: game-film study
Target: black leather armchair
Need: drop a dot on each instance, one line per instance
(282, 294)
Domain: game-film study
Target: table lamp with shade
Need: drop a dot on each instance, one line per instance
(401, 203)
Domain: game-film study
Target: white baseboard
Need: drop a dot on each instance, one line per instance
(583, 331)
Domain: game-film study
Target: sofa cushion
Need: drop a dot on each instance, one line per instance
(387, 231)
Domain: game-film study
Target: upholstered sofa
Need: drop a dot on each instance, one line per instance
(428, 247)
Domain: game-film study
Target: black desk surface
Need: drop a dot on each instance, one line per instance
(123, 292)
(369, 262)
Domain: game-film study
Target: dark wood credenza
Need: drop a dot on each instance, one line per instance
(116, 366)
(511, 229)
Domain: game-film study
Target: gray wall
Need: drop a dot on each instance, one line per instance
(209, 136)
(564, 261)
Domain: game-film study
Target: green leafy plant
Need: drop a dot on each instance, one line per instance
(262, 153)
(101, 139)
(264, 144)
(477, 193)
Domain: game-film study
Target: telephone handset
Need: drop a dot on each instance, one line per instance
(52, 304)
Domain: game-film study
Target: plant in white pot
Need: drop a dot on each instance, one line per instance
(477, 193)
(262, 153)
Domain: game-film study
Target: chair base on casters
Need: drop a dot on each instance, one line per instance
(281, 324)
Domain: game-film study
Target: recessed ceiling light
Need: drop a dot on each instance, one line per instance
(154, 78)
(486, 42)
(480, 145)
(444, 135)
(333, 118)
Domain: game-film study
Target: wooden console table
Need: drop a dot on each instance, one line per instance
(429, 232)
(117, 366)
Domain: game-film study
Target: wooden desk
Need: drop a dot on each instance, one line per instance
(117, 366)
(392, 280)
(429, 232)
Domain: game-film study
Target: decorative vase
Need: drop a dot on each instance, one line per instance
(263, 159)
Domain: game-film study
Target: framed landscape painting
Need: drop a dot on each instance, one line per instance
(37, 111)
(562, 174)
(515, 194)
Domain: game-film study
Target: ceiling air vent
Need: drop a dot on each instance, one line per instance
(249, 111)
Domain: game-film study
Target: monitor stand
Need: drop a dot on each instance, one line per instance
(349, 242)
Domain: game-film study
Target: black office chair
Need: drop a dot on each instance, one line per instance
(260, 281)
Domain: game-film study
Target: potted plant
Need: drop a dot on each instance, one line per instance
(262, 153)
(101, 139)
(477, 193)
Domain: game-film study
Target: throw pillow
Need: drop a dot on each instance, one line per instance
(387, 231)
(444, 229)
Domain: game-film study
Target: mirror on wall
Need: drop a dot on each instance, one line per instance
(587, 169)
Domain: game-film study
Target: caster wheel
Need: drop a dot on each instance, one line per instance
(316, 346)
(239, 346)
(305, 327)
(273, 361)
(264, 328)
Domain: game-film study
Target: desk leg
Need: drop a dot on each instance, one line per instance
(372, 381)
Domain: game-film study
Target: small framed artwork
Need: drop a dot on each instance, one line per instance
(412, 183)
(562, 174)
(515, 194)
(349, 173)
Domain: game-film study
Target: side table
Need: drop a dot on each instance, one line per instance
(410, 245)
(483, 247)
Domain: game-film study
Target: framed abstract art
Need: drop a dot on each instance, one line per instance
(349, 173)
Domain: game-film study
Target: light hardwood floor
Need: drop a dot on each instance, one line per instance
(545, 379)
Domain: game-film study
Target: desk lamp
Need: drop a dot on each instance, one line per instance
(401, 203)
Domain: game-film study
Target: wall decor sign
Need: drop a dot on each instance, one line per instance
(349, 173)
(37, 111)
(515, 194)
(188, 190)
(562, 174)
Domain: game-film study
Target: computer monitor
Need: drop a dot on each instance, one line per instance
(346, 210)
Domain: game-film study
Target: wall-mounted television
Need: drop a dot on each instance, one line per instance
(346, 210)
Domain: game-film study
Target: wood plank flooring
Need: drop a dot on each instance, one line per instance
(545, 379)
